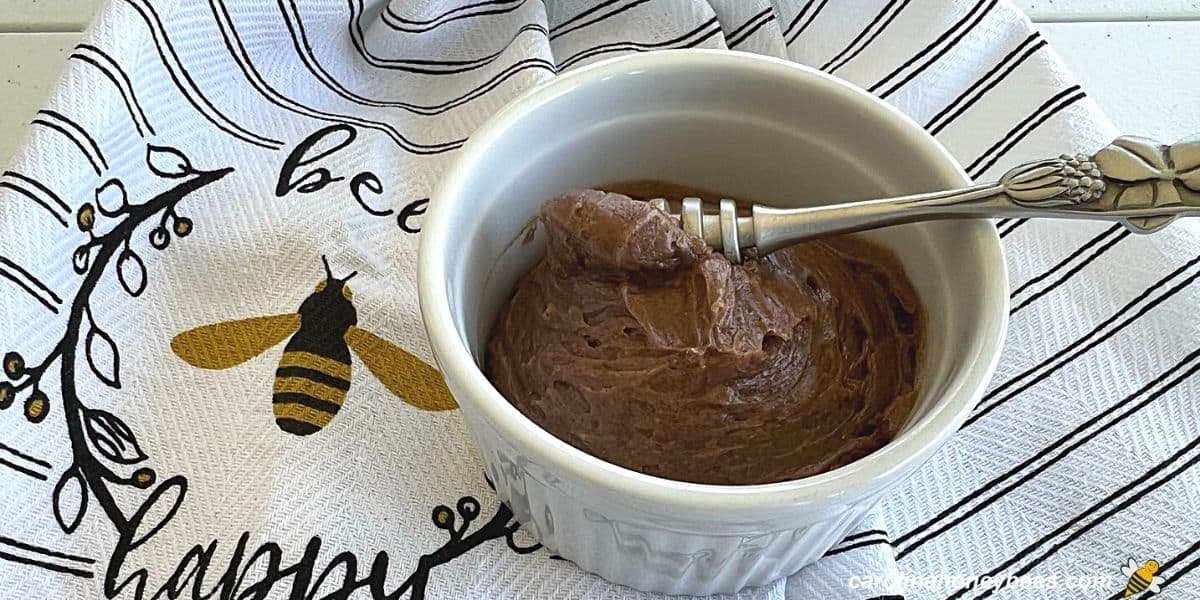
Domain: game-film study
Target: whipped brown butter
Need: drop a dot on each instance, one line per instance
(636, 343)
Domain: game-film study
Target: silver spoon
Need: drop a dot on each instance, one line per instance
(1136, 181)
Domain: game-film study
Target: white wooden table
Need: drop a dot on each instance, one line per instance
(1137, 58)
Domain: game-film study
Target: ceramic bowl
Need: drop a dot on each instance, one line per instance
(751, 127)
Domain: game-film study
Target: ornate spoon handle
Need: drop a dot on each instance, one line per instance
(1136, 181)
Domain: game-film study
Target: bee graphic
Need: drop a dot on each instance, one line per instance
(314, 372)
(1141, 579)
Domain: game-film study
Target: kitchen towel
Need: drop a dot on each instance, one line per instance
(199, 161)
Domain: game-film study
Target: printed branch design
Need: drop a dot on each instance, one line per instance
(101, 443)
(501, 525)
(105, 451)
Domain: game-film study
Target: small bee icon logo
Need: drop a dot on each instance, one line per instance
(314, 372)
(1142, 578)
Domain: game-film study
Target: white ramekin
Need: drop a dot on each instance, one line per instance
(753, 128)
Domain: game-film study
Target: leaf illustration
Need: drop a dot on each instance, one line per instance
(112, 437)
(132, 272)
(103, 357)
(80, 259)
(111, 197)
(166, 161)
(70, 500)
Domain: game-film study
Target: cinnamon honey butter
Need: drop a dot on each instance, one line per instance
(636, 343)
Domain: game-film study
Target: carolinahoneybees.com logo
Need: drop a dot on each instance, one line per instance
(1141, 579)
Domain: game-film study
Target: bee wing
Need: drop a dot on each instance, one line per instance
(403, 374)
(1128, 569)
(230, 343)
(1155, 583)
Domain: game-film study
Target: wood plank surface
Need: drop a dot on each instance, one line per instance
(34, 62)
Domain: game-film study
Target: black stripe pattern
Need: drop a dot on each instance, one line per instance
(29, 283)
(1150, 298)
(996, 488)
(1073, 264)
(599, 13)
(807, 15)
(1140, 486)
(237, 49)
(77, 135)
(929, 55)
(740, 34)
(431, 65)
(304, 49)
(102, 61)
(392, 18)
(40, 194)
(994, 77)
(874, 29)
(187, 85)
(1056, 104)
(701, 34)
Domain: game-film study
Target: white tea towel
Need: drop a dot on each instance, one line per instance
(173, 204)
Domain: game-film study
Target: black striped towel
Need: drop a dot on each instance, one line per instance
(199, 158)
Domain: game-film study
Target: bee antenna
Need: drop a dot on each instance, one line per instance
(347, 278)
(328, 272)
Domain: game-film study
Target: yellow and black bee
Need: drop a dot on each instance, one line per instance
(1142, 579)
(314, 372)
